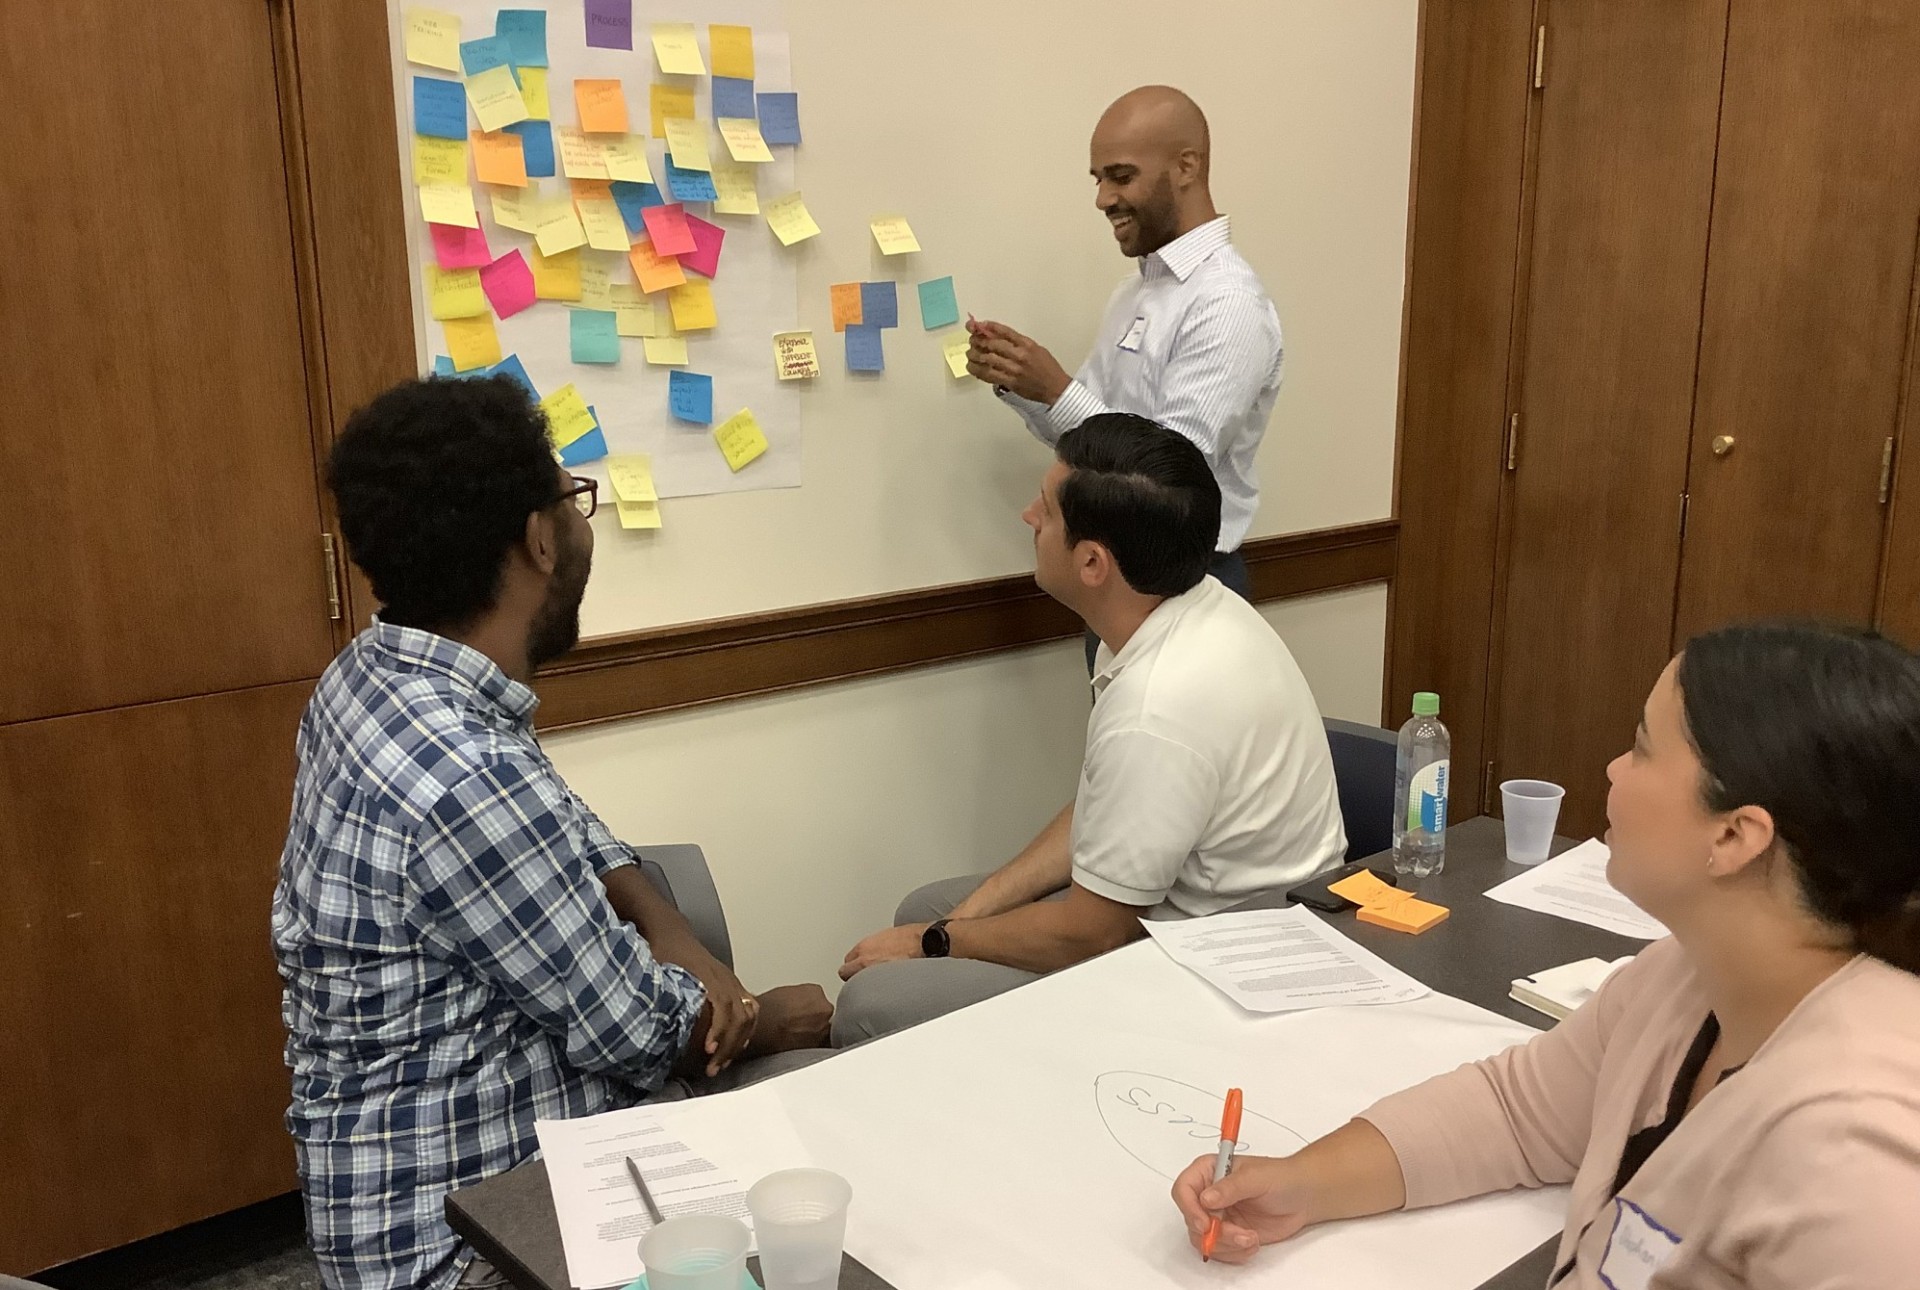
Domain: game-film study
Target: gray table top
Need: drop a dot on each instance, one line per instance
(1475, 955)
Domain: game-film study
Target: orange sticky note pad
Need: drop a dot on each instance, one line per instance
(500, 158)
(603, 106)
(1409, 914)
(1363, 888)
(654, 271)
(846, 304)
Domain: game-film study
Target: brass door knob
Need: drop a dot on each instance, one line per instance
(1722, 444)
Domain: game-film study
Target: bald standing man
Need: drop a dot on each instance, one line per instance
(1190, 341)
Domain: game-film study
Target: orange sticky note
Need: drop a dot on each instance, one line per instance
(1409, 915)
(1363, 888)
(603, 106)
(654, 271)
(472, 342)
(500, 158)
(846, 304)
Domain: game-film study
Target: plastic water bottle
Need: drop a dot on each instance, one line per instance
(1420, 791)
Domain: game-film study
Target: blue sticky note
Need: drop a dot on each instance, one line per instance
(443, 366)
(477, 56)
(689, 185)
(591, 446)
(690, 396)
(596, 338)
(525, 31)
(512, 366)
(879, 304)
(439, 108)
(632, 198)
(780, 118)
(864, 353)
(732, 97)
(938, 308)
(536, 143)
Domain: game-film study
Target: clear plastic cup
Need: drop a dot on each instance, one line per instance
(1531, 808)
(800, 1221)
(696, 1252)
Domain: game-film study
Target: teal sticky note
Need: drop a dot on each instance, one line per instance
(443, 366)
(477, 56)
(595, 335)
(525, 31)
(938, 308)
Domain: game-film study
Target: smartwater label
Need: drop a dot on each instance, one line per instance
(1427, 799)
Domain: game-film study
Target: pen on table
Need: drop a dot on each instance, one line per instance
(1222, 1163)
(646, 1197)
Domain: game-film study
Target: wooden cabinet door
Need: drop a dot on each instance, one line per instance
(1622, 196)
(1809, 289)
(162, 520)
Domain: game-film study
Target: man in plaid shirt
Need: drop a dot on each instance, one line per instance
(465, 947)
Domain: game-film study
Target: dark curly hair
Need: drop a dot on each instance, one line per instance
(435, 479)
(1144, 493)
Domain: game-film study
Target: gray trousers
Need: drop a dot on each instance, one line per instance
(893, 996)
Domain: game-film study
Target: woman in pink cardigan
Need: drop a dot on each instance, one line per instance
(1740, 1105)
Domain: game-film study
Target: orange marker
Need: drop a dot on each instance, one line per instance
(1223, 1163)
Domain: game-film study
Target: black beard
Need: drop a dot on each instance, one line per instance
(557, 627)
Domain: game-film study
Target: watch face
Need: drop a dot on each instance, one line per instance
(934, 942)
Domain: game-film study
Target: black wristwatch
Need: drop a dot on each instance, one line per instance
(934, 942)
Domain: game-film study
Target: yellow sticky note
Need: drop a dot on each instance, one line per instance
(596, 283)
(790, 220)
(567, 414)
(448, 204)
(732, 50)
(678, 49)
(631, 475)
(639, 515)
(1362, 888)
(558, 228)
(894, 235)
(794, 357)
(654, 271)
(439, 161)
(499, 159)
(687, 143)
(667, 103)
(743, 140)
(954, 350)
(472, 342)
(666, 351)
(600, 216)
(740, 438)
(433, 39)
(692, 303)
(533, 92)
(734, 185)
(555, 277)
(581, 156)
(518, 211)
(635, 318)
(496, 100)
(602, 105)
(454, 293)
(625, 157)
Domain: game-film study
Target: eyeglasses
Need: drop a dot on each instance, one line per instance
(584, 494)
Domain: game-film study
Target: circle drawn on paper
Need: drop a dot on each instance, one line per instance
(1164, 1123)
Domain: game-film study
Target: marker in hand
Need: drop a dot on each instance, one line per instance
(1223, 1163)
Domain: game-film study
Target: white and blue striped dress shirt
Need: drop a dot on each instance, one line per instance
(1191, 341)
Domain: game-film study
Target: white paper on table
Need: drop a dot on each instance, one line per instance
(698, 1156)
(1281, 960)
(1574, 886)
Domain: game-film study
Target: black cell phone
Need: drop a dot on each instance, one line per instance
(1314, 894)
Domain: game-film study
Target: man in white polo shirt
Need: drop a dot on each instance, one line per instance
(1207, 776)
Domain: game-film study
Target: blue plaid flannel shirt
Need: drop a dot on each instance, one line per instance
(452, 968)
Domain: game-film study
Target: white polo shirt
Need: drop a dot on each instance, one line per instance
(1208, 777)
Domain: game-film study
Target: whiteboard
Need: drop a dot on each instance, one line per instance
(975, 127)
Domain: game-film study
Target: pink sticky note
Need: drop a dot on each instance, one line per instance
(459, 248)
(704, 259)
(667, 229)
(508, 283)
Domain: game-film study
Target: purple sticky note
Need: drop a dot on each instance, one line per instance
(667, 228)
(461, 248)
(610, 24)
(704, 258)
(508, 283)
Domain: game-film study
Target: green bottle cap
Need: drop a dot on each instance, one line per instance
(1426, 704)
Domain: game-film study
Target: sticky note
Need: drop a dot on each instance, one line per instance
(459, 248)
(735, 188)
(668, 103)
(655, 272)
(472, 342)
(733, 96)
(894, 235)
(568, 416)
(443, 366)
(581, 155)
(692, 304)
(609, 24)
(689, 185)
(536, 146)
(704, 258)
(508, 283)
(525, 31)
(519, 211)
(499, 159)
(634, 198)
(631, 475)
(667, 229)
(665, 351)
(488, 52)
(879, 304)
(743, 140)
(1410, 915)
(513, 367)
(780, 118)
(602, 105)
(732, 50)
(439, 161)
(591, 446)
(938, 308)
(635, 318)
(687, 143)
(625, 157)
(439, 108)
(845, 300)
(690, 396)
(794, 357)
(740, 438)
(448, 204)
(559, 228)
(593, 335)
(596, 282)
(556, 277)
(433, 39)
(639, 515)
(533, 92)
(864, 351)
(454, 293)
(678, 49)
(954, 350)
(600, 217)
(496, 100)
(1362, 888)
(790, 220)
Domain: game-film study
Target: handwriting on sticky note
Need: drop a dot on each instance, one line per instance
(439, 108)
(687, 142)
(596, 283)
(744, 143)
(567, 414)
(780, 118)
(459, 248)
(525, 31)
(448, 204)
(844, 298)
(593, 335)
(472, 342)
(631, 475)
(879, 304)
(500, 159)
(439, 161)
(704, 258)
(865, 353)
(639, 515)
(655, 272)
(518, 211)
(735, 188)
(556, 277)
(732, 50)
(794, 357)
(496, 100)
(581, 155)
(692, 305)
(690, 396)
(790, 220)
(954, 350)
(508, 283)
(433, 39)
(733, 97)
(602, 105)
(636, 318)
(740, 438)
(477, 56)
(600, 217)
(938, 307)
(665, 351)
(678, 49)
(667, 229)
(1362, 888)
(689, 185)
(454, 293)
(559, 228)
(609, 24)
(894, 235)
(668, 103)
(533, 92)
(625, 157)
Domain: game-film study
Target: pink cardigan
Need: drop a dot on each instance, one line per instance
(1800, 1171)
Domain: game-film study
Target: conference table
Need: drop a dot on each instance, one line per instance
(1475, 955)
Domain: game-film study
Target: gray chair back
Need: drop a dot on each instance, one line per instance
(1363, 765)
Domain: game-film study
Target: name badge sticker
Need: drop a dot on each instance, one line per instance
(1135, 334)
(1638, 1248)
